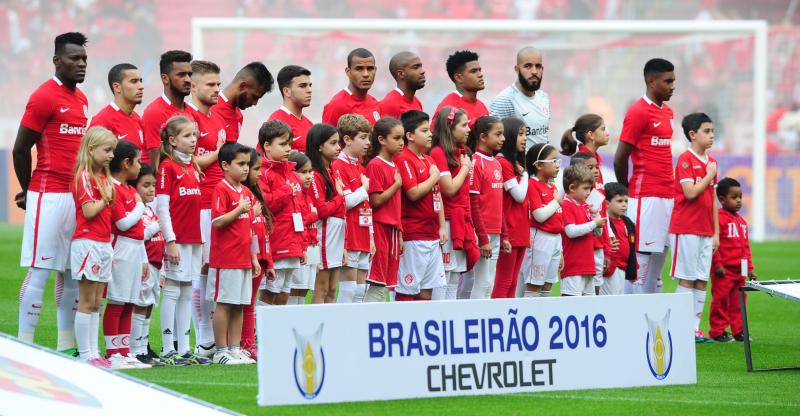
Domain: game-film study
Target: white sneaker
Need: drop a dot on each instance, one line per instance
(204, 352)
(133, 361)
(118, 362)
(243, 356)
(225, 358)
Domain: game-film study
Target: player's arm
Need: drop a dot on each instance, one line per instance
(442, 229)
(225, 219)
(23, 161)
(624, 150)
(377, 198)
(417, 190)
(715, 243)
(451, 184)
(692, 190)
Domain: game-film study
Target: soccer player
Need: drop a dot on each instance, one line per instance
(464, 70)
(421, 268)
(646, 138)
(54, 121)
(355, 99)
(354, 133)
(119, 116)
(232, 265)
(406, 69)
(251, 83)
(694, 226)
(295, 85)
(176, 76)
(731, 264)
(211, 135)
(523, 99)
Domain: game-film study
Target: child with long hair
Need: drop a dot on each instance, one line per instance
(91, 254)
(304, 278)
(130, 259)
(449, 152)
(326, 191)
(486, 195)
(385, 182)
(515, 208)
(178, 207)
(587, 135)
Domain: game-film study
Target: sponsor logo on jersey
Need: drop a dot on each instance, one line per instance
(658, 342)
(65, 128)
(660, 141)
(309, 363)
(182, 191)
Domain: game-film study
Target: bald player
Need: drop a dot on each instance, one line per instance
(524, 100)
(406, 69)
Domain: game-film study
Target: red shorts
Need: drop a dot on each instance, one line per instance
(386, 260)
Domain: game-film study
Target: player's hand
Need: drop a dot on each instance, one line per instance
(752, 275)
(465, 162)
(558, 197)
(256, 268)
(173, 254)
(365, 182)
(145, 272)
(339, 185)
(397, 179)
(486, 250)
(442, 236)
(614, 243)
(244, 204)
(434, 172)
(344, 257)
(518, 167)
(137, 198)
(257, 208)
(220, 142)
(561, 264)
(719, 272)
(505, 245)
(162, 280)
(715, 243)
(371, 246)
(304, 259)
(606, 263)
(711, 169)
(20, 198)
(270, 274)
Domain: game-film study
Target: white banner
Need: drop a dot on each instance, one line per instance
(357, 352)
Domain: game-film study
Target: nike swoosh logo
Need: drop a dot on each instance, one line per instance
(204, 134)
(235, 203)
(128, 201)
(649, 243)
(296, 138)
(64, 109)
(121, 136)
(46, 258)
(656, 124)
(179, 176)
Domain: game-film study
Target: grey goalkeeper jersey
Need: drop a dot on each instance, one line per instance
(534, 111)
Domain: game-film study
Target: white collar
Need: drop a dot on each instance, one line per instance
(222, 95)
(388, 162)
(287, 111)
(116, 182)
(649, 101)
(344, 157)
(702, 159)
(114, 106)
(58, 81)
(487, 157)
(458, 94)
(399, 91)
(230, 185)
(347, 90)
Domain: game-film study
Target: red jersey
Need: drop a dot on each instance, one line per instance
(514, 213)
(540, 194)
(648, 128)
(125, 127)
(155, 245)
(578, 252)
(487, 181)
(395, 103)
(459, 201)
(84, 191)
(299, 126)
(283, 193)
(59, 114)
(309, 221)
(155, 115)
(474, 109)
(420, 217)
(231, 115)
(694, 216)
(230, 245)
(356, 235)
(211, 129)
(734, 242)
(124, 203)
(333, 207)
(259, 226)
(619, 258)
(182, 184)
(381, 177)
(583, 149)
(345, 102)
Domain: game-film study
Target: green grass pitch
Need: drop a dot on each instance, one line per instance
(723, 385)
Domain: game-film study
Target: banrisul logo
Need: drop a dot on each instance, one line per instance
(658, 344)
(309, 363)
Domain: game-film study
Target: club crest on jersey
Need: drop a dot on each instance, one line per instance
(221, 135)
(20, 378)
(309, 363)
(86, 111)
(658, 345)
(497, 175)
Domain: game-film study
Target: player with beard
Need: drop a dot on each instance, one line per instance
(125, 82)
(176, 76)
(406, 69)
(355, 99)
(251, 83)
(295, 85)
(524, 100)
(465, 71)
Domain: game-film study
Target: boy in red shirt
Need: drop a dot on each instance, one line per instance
(622, 260)
(694, 227)
(231, 267)
(731, 263)
(580, 225)
(421, 267)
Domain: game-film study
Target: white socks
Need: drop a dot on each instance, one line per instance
(296, 300)
(649, 273)
(529, 294)
(361, 290)
(484, 278)
(452, 285)
(375, 293)
(347, 290)
(203, 328)
(66, 306)
(183, 318)
(169, 304)
(439, 293)
(83, 322)
(30, 302)
(94, 333)
(699, 305)
(465, 283)
(137, 337)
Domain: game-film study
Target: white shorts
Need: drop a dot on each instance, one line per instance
(129, 259)
(46, 238)
(651, 216)
(455, 261)
(313, 255)
(543, 258)
(230, 286)
(330, 234)
(188, 268)
(303, 278)
(578, 285)
(359, 259)
(205, 233)
(599, 258)
(421, 267)
(92, 260)
(691, 256)
(283, 272)
(149, 290)
(614, 284)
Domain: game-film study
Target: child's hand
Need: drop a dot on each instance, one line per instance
(220, 142)
(599, 221)
(304, 259)
(561, 264)
(371, 246)
(442, 236)
(312, 209)
(558, 197)
(270, 274)
(614, 244)
(173, 254)
(244, 204)
(715, 243)
(486, 250)
(162, 280)
(339, 185)
(397, 179)
(711, 169)
(257, 208)
(719, 272)
(145, 272)
(505, 246)
(137, 197)
(434, 172)
(256, 268)
(519, 168)
(365, 182)
(606, 263)
(465, 162)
